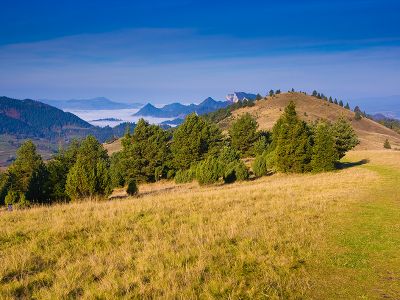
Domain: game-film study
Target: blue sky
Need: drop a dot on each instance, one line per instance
(182, 50)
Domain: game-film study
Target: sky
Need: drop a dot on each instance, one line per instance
(182, 50)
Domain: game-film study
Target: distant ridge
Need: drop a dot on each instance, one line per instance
(178, 110)
(99, 103)
(240, 96)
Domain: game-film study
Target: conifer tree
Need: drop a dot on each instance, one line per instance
(347, 106)
(271, 93)
(144, 152)
(58, 169)
(292, 143)
(345, 137)
(387, 145)
(89, 176)
(193, 140)
(243, 133)
(341, 103)
(28, 174)
(325, 153)
(258, 97)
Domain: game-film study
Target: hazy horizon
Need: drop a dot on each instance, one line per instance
(185, 51)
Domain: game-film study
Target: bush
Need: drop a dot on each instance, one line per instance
(12, 197)
(260, 165)
(235, 171)
(242, 173)
(387, 145)
(185, 176)
(208, 171)
(132, 188)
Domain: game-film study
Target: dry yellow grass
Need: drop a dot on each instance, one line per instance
(254, 239)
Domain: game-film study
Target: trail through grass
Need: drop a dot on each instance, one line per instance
(362, 258)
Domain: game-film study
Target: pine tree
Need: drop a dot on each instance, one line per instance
(315, 93)
(335, 102)
(345, 137)
(341, 103)
(292, 142)
(357, 116)
(347, 106)
(325, 153)
(387, 145)
(28, 174)
(193, 140)
(259, 166)
(243, 133)
(89, 176)
(58, 169)
(258, 97)
(271, 93)
(144, 152)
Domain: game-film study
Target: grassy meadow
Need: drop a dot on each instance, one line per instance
(325, 236)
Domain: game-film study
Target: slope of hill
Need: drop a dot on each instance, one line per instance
(267, 111)
(178, 110)
(99, 103)
(46, 125)
(32, 118)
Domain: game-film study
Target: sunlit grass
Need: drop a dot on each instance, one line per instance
(257, 239)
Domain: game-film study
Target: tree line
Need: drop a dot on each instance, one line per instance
(196, 150)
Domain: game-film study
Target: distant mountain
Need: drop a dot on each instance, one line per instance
(389, 106)
(99, 103)
(240, 96)
(45, 125)
(174, 122)
(178, 110)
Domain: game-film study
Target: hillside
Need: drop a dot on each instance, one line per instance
(30, 118)
(267, 111)
(46, 125)
(303, 236)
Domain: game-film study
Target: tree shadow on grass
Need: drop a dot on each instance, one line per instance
(346, 164)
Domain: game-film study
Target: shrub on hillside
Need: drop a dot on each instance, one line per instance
(235, 171)
(387, 145)
(186, 176)
(132, 188)
(208, 171)
(260, 165)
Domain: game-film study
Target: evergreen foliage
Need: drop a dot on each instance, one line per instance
(260, 145)
(144, 152)
(341, 103)
(132, 188)
(89, 176)
(193, 140)
(117, 170)
(292, 145)
(28, 174)
(387, 145)
(357, 116)
(325, 153)
(259, 166)
(347, 106)
(345, 137)
(208, 171)
(243, 133)
(58, 169)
